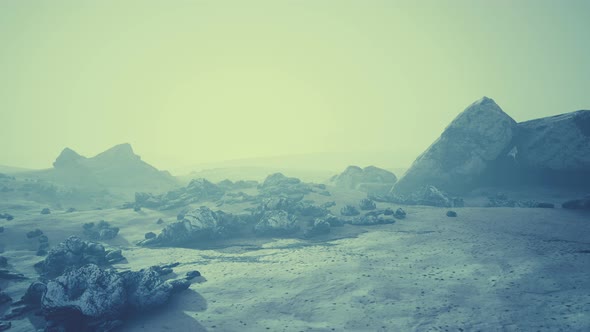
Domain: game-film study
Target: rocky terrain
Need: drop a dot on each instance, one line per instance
(463, 241)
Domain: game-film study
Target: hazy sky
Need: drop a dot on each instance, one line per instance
(188, 82)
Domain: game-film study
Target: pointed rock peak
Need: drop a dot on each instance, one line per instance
(67, 157)
(118, 151)
(484, 101)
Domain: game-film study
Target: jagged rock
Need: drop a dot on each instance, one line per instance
(370, 179)
(367, 204)
(464, 151)
(200, 224)
(451, 214)
(72, 253)
(577, 204)
(102, 231)
(149, 235)
(320, 227)
(35, 233)
(85, 296)
(46, 211)
(95, 299)
(400, 213)
(349, 210)
(276, 223)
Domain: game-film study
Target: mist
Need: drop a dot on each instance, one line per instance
(294, 165)
(213, 81)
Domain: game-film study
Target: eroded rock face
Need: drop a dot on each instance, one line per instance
(72, 253)
(370, 179)
(463, 152)
(90, 298)
(201, 224)
(277, 222)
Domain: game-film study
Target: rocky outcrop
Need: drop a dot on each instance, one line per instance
(201, 224)
(72, 253)
(276, 223)
(198, 190)
(96, 299)
(551, 151)
(370, 179)
(456, 161)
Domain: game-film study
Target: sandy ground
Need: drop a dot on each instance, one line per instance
(489, 269)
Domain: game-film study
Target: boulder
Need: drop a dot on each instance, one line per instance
(465, 150)
(400, 213)
(46, 211)
(577, 204)
(102, 231)
(367, 204)
(370, 179)
(276, 223)
(201, 224)
(320, 227)
(35, 233)
(72, 253)
(349, 210)
(279, 184)
(451, 214)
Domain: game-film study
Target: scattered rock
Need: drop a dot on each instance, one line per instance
(70, 210)
(46, 211)
(149, 235)
(328, 205)
(35, 233)
(102, 231)
(451, 214)
(400, 213)
(6, 216)
(349, 210)
(367, 204)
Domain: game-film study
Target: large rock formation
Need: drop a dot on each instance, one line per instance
(370, 179)
(553, 150)
(117, 169)
(198, 225)
(464, 151)
(484, 147)
(198, 190)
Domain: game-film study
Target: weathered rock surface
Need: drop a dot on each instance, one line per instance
(198, 190)
(276, 223)
(96, 299)
(370, 179)
(72, 253)
(201, 224)
(463, 152)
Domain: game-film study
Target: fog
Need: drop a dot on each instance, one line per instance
(197, 83)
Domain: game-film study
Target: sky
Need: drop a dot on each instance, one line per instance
(193, 82)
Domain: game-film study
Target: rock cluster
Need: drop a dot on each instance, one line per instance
(370, 179)
(198, 190)
(101, 231)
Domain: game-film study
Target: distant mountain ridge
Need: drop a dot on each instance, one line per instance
(117, 169)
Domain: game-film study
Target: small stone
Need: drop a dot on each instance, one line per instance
(451, 214)
(45, 211)
(149, 235)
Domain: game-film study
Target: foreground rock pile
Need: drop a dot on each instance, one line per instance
(79, 291)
